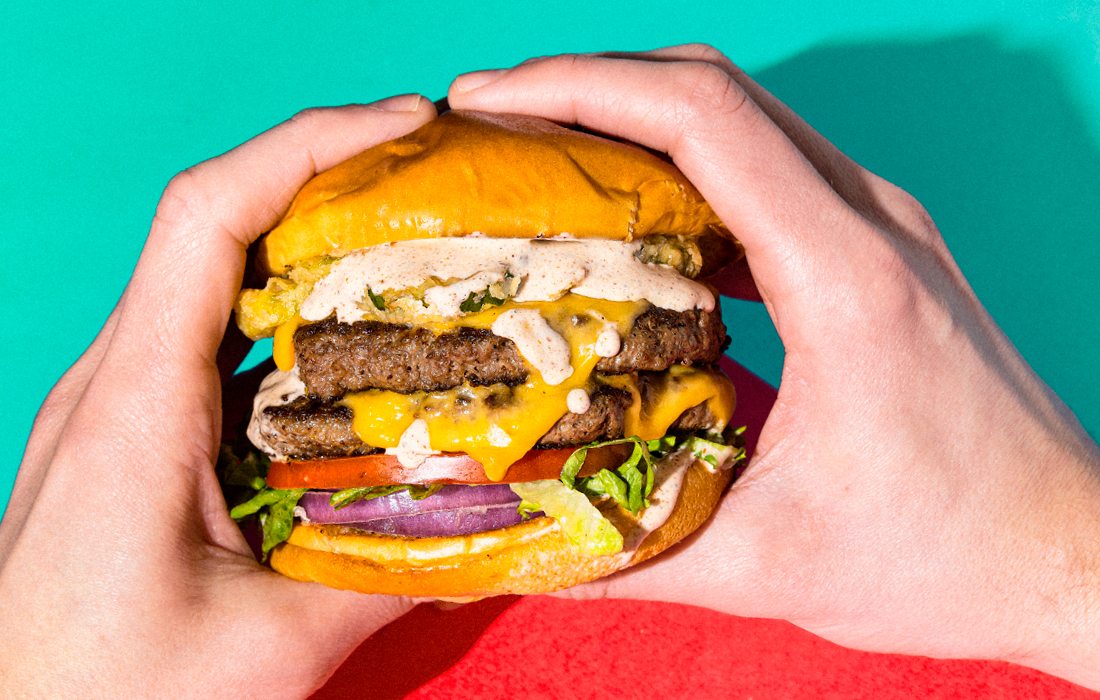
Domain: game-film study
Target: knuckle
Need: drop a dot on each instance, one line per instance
(307, 118)
(708, 90)
(911, 216)
(710, 54)
(534, 60)
(905, 277)
(706, 96)
(183, 198)
(565, 62)
(918, 215)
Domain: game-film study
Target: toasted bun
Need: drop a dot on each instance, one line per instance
(532, 557)
(499, 175)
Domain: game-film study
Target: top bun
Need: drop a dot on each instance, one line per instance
(499, 175)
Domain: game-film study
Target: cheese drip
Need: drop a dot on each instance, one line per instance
(496, 425)
(671, 393)
(282, 348)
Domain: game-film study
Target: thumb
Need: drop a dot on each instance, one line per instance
(298, 633)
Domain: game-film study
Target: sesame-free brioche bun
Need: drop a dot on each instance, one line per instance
(498, 175)
(532, 557)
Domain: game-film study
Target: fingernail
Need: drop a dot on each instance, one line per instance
(478, 79)
(400, 103)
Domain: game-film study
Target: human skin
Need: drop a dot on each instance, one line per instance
(148, 587)
(917, 488)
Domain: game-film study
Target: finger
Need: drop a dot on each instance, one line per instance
(755, 177)
(312, 626)
(193, 261)
(827, 158)
(863, 190)
(158, 378)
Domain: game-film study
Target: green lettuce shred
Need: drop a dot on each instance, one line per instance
(715, 453)
(476, 301)
(527, 509)
(627, 485)
(580, 521)
(275, 508)
(569, 501)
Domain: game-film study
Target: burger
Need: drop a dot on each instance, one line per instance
(496, 363)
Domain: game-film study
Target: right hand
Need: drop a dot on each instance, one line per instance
(916, 488)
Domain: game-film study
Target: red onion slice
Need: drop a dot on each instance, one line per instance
(443, 523)
(449, 498)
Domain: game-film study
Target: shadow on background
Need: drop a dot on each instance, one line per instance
(989, 138)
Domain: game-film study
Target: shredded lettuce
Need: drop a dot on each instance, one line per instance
(627, 485)
(275, 507)
(569, 500)
(276, 512)
(377, 299)
(243, 482)
(476, 301)
(580, 521)
(715, 453)
(527, 509)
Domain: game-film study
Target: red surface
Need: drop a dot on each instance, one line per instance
(541, 647)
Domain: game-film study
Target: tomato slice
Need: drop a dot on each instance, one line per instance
(448, 468)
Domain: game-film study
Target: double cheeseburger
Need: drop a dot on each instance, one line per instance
(496, 371)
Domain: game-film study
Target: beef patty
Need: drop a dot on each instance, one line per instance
(335, 358)
(309, 428)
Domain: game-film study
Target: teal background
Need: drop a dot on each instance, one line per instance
(989, 112)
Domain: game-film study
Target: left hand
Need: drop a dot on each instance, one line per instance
(120, 570)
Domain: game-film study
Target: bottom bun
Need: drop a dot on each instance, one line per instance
(531, 557)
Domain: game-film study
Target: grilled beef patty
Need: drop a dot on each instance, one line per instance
(335, 358)
(309, 428)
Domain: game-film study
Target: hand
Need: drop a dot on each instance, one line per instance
(916, 488)
(120, 570)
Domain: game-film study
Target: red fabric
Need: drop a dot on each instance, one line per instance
(545, 648)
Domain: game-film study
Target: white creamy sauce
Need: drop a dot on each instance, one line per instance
(277, 389)
(546, 269)
(578, 401)
(608, 342)
(538, 343)
(414, 446)
(668, 482)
